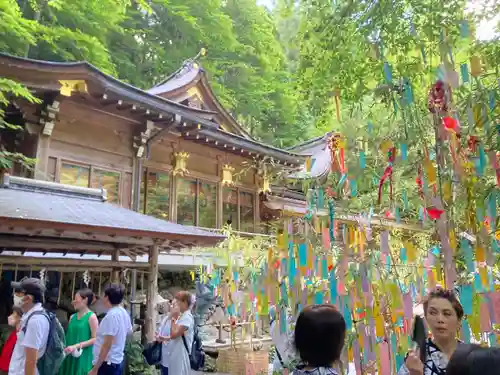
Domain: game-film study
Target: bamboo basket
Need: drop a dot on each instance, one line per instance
(243, 362)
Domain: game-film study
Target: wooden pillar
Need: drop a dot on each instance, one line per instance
(150, 321)
(220, 196)
(115, 275)
(42, 157)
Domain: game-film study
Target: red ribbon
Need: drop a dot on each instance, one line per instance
(419, 182)
(387, 175)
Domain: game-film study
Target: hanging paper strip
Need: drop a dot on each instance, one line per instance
(384, 242)
(321, 198)
(387, 72)
(404, 152)
(464, 29)
(408, 93)
(391, 155)
(333, 287)
(331, 214)
(362, 160)
(318, 297)
(467, 249)
(302, 255)
(354, 188)
(465, 332)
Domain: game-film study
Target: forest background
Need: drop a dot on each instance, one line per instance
(289, 70)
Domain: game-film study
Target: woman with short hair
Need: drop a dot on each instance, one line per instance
(443, 313)
(319, 339)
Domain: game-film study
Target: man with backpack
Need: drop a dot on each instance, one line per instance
(40, 341)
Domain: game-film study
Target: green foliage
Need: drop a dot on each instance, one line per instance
(10, 89)
(136, 364)
(142, 42)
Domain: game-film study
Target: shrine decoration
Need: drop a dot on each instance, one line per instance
(180, 167)
(336, 145)
(227, 175)
(439, 98)
(70, 86)
(265, 184)
(387, 175)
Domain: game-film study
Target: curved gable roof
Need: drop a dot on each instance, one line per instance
(191, 74)
(18, 68)
(46, 75)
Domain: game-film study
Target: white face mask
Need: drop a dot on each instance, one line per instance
(77, 352)
(18, 301)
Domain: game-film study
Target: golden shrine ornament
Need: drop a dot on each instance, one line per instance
(227, 175)
(70, 86)
(180, 167)
(265, 185)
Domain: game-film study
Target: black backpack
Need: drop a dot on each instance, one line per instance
(197, 355)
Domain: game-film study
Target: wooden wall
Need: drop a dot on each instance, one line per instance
(90, 136)
(83, 136)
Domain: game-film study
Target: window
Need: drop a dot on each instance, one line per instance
(156, 201)
(196, 203)
(75, 175)
(87, 176)
(246, 212)
(101, 179)
(186, 201)
(238, 209)
(207, 201)
(230, 208)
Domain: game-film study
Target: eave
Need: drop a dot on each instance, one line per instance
(236, 144)
(109, 91)
(113, 91)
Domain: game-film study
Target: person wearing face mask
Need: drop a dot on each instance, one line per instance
(34, 328)
(443, 313)
(14, 321)
(80, 336)
(181, 335)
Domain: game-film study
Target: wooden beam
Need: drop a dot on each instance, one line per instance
(152, 292)
(15, 242)
(115, 235)
(86, 233)
(62, 262)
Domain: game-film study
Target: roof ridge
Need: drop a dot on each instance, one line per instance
(28, 184)
(184, 64)
(309, 141)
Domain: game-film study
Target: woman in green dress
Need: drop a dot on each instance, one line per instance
(80, 336)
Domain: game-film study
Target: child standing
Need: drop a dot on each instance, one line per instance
(14, 320)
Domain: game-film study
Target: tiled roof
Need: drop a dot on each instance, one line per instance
(182, 77)
(321, 159)
(39, 201)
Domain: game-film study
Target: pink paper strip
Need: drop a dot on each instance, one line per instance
(495, 301)
(325, 234)
(485, 318)
(408, 306)
(385, 365)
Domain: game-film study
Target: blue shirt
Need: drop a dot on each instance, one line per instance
(116, 323)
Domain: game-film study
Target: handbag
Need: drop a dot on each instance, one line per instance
(152, 353)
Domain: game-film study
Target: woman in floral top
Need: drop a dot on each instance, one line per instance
(443, 313)
(319, 339)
